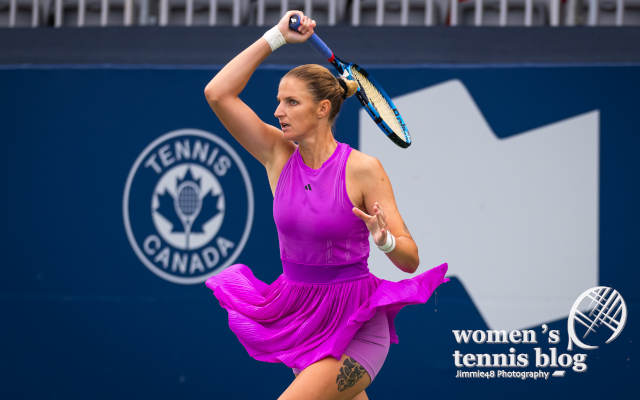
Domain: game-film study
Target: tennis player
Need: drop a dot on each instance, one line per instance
(326, 316)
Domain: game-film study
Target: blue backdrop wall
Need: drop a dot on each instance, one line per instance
(82, 316)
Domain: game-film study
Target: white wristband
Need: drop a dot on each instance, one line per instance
(389, 244)
(274, 37)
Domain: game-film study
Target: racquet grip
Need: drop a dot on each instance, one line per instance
(318, 44)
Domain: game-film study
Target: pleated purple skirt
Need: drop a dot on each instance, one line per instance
(312, 312)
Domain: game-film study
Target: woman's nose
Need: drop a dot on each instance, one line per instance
(278, 113)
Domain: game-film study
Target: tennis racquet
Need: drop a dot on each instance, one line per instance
(371, 95)
(188, 205)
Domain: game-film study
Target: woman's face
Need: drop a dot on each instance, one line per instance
(297, 112)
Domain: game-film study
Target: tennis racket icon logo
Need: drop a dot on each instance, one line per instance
(598, 315)
(188, 205)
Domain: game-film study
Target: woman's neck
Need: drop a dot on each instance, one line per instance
(317, 149)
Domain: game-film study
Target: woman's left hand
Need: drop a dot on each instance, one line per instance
(376, 223)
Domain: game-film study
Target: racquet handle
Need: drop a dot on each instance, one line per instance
(318, 44)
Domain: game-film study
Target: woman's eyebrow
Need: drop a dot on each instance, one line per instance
(286, 98)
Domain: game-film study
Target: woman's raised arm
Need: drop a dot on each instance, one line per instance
(257, 137)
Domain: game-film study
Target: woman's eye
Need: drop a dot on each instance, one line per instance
(293, 102)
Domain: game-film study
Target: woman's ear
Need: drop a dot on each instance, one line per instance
(324, 108)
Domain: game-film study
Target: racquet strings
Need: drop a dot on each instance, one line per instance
(379, 103)
(188, 201)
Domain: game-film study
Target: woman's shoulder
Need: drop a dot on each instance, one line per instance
(363, 165)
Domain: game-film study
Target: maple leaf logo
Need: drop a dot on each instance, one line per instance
(168, 211)
(209, 210)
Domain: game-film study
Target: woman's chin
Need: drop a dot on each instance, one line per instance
(288, 134)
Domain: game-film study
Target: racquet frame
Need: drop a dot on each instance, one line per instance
(345, 69)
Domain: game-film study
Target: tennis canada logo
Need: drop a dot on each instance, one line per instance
(188, 206)
(598, 316)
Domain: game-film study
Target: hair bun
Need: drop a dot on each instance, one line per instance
(350, 87)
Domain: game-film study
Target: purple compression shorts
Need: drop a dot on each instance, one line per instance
(370, 345)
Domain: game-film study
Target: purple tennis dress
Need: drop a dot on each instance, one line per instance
(326, 292)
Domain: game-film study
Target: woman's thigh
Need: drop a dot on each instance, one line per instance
(370, 346)
(329, 379)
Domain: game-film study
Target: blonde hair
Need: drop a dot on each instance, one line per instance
(322, 84)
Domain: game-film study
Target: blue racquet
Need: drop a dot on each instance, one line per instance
(372, 96)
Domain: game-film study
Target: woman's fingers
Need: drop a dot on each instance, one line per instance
(361, 214)
(369, 220)
(381, 237)
(307, 27)
(380, 219)
(305, 30)
(376, 223)
(379, 215)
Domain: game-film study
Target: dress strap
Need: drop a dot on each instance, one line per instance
(341, 187)
(285, 174)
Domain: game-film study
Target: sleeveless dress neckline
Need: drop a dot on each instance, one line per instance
(314, 171)
(326, 291)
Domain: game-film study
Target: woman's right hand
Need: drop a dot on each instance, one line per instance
(305, 30)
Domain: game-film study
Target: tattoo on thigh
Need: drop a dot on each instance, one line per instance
(350, 373)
